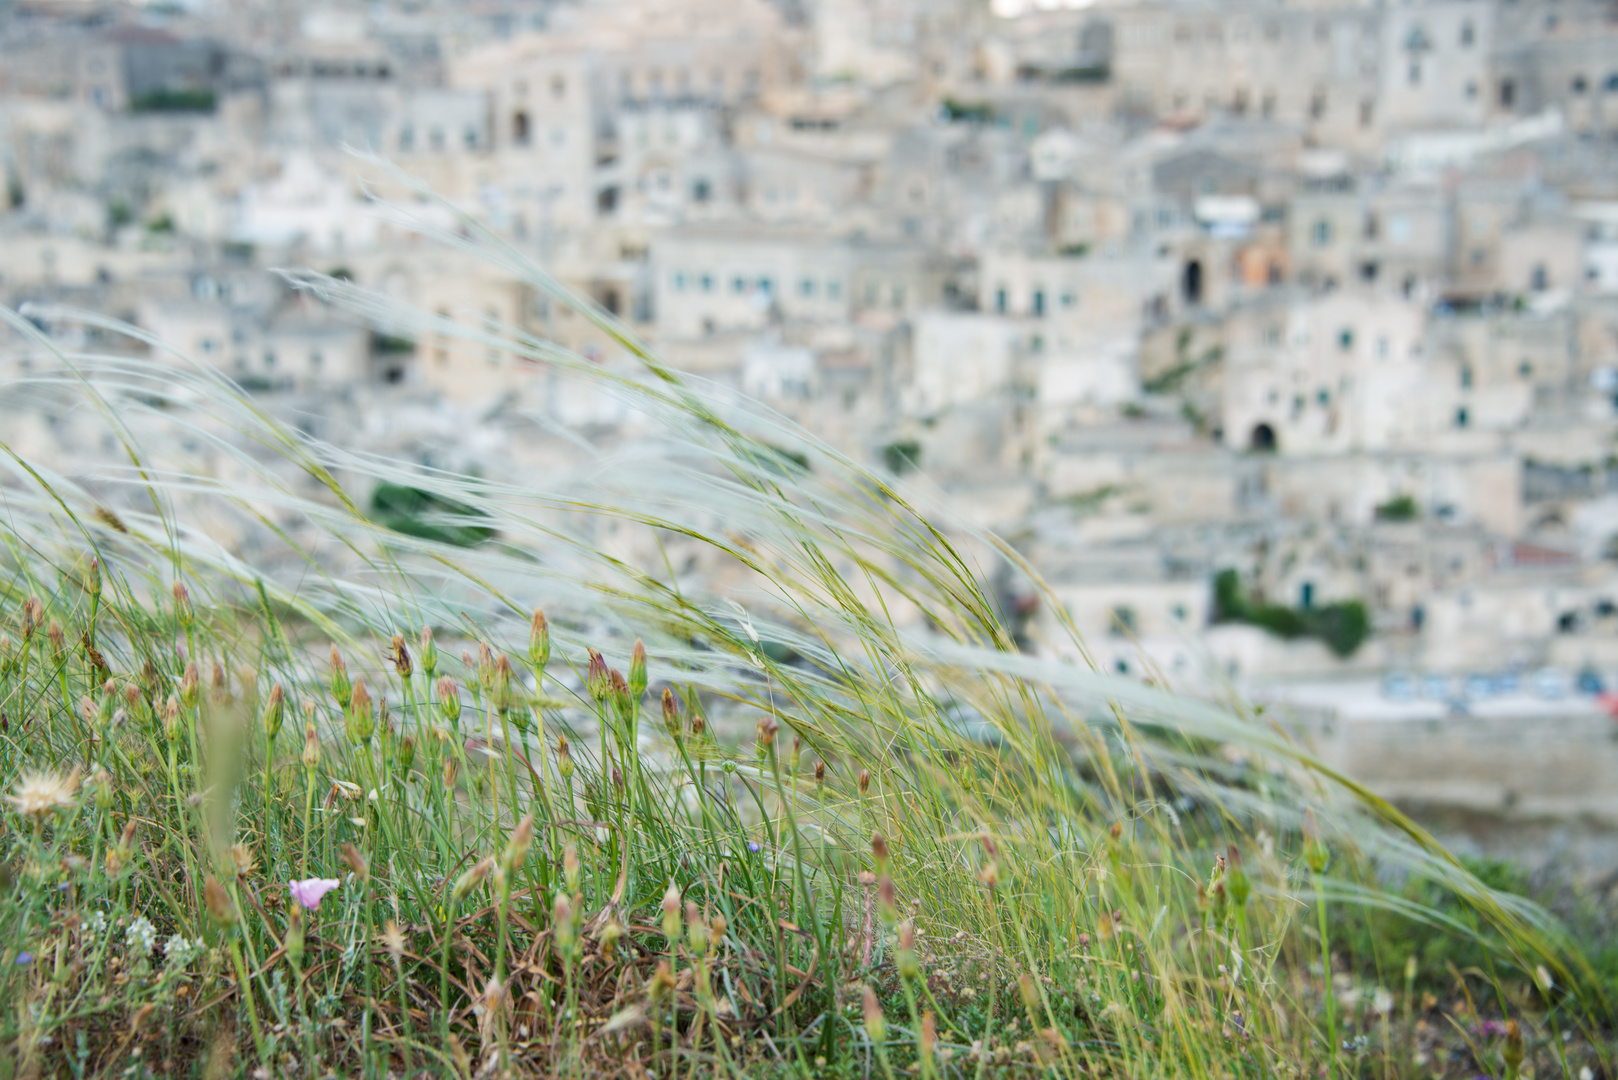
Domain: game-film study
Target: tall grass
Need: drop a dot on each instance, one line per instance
(835, 823)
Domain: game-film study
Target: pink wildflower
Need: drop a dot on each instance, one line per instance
(309, 891)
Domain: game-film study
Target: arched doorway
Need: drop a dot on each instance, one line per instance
(1193, 282)
(1262, 439)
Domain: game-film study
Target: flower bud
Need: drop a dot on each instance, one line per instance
(717, 928)
(293, 940)
(190, 686)
(1237, 882)
(451, 768)
(360, 720)
(1513, 1051)
(609, 937)
(876, 1027)
(879, 852)
(356, 862)
(663, 981)
(764, 736)
(221, 908)
(671, 714)
(698, 725)
(886, 899)
(539, 642)
(58, 639)
(1028, 991)
(429, 653)
(92, 578)
(928, 1039)
(865, 781)
(401, 657)
(564, 759)
(183, 610)
(696, 928)
(485, 666)
(449, 702)
(797, 752)
(220, 690)
(562, 923)
(517, 849)
(472, 878)
(33, 610)
(407, 754)
(596, 681)
(341, 689)
(820, 773)
(618, 695)
(311, 747)
(637, 671)
(671, 912)
(171, 718)
(570, 866)
(274, 712)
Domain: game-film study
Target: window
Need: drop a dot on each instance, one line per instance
(1612, 83)
(1525, 370)
(1539, 279)
(706, 282)
(407, 138)
(1467, 35)
(1323, 397)
(679, 281)
(435, 140)
(1578, 85)
(470, 136)
(738, 285)
(1321, 232)
(1345, 339)
(269, 360)
(1461, 417)
(1039, 302)
(519, 128)
(1471, 90)
(700, 191)
(1317, 105)
(766, 286)
(1000, 300)
(1068, 300)
(1415, 73)
(1508, 93)
(1466, 377)
(834, 289)
(806, 287)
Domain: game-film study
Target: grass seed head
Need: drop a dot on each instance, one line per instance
(451, 768)
(928, 1039)
(1512, 1051)
(618, 694)
(609, 938)
(879, 851)
(394, 939)
(886, 899)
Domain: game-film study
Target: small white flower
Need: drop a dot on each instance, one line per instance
(97, 923)
(141, 935)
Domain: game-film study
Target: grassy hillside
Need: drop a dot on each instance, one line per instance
(829, 822)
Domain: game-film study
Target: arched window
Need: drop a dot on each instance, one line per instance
(519, 128)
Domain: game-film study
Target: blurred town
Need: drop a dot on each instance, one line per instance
(1280, 335)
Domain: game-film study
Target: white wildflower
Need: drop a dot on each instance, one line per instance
(141, 936)
(178, 951)
(97, 923)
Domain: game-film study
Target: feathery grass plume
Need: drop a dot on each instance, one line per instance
(924, 719)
